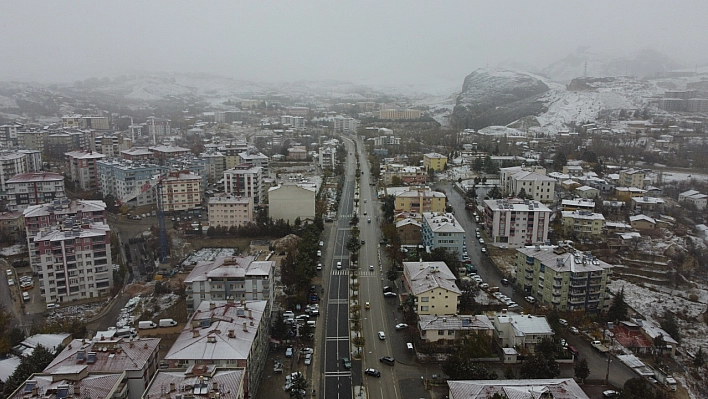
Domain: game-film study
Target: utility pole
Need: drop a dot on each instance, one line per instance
(609, 359)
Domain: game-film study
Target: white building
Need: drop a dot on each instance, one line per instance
(27, 189)
(127, 181)
(533, 181)
(345, 125)
(215, 165)
(296, 122)
(327, 157)
(241, 278)
(229, 211)
(695, 198)
(245, 180)
(10, 165)
(292, 201)
(442, 230)
(522, 332)
(516, 222)
(255, 158)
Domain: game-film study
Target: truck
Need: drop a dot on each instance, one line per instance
(146, 325)
(665, 378)
(599, 346)
(167, 323)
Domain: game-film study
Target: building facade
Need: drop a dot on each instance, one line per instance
(127, 181)
(245, 180)
(291, 201)
(83, 169)
(33, 188)
(694, 197)
(11, 164)
(516, 222)
(442, 230)
(421, 200)
(181, 191)
(433, 286)
(631, 178)
(229, 211)
(434, 161)
(584, 224)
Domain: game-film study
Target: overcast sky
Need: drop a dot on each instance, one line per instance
(358, 41)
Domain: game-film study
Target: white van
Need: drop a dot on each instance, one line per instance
(167, 323)
(146, 325)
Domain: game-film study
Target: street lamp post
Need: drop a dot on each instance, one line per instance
(609, 359)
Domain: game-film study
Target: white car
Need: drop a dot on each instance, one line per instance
(513, 305)
(563, 322)
(401, 326)
(321, 243)
(319, 266)
(10, 282)
(308, 359)
(339, 265)
(307, 351)
(9, 272)
(382, 335)
(481, 241)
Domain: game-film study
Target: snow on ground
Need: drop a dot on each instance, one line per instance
(689, 306)
(13, 250)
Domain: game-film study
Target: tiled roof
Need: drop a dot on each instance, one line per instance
(230, 266)
(120, 354)
(35, 176)
(70, 208)
(560, 388)
(455, 322)
(97, 386)
(199, 380)
(425, 276)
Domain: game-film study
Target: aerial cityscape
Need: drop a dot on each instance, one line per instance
(309, 200)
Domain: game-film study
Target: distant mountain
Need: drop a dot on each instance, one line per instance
(497, 97)
(642, 64)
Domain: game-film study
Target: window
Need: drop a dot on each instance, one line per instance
(441, 332)
(424, 299)
(423, 308)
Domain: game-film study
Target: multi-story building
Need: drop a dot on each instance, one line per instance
(136, 357)
(190, 163)
(345, 125)
(71, 384)
(83, 169)
(578, 204)
(327, 157)
(33, 158)
(8, 135)
(442, 230)
(137, 154)
(242, 278)
(11, 164)
(292, 201)
(33, 140)
(45, 216)
(584, 224)
(453, 328)
(12, 224)
(85, 122)
(563, 278)
(231, 153)
(228, 117)
(565, 388)
(434, 161)
(433, 286)
(410, 231)
(632, 178)
(203, 379)
(238, 329)
(112, 145)
(519, 331)
(421, 200)
(694, 197)
(650, 206)
(516, 222)
(74, 260)
(33, 188)
(157, 127)
(215, 165)
(228, 211)
(410, 175)
(255, 158)
(127, 181)
(296, 122)
(298, 111)
(161, 153)
(533, 181)
(181, 191)
(398, 113)
(245, 180)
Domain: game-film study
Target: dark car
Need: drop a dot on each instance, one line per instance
(389, 294)
(504, 282)
(347, 363)
(388, 360)
(372, 372)
(387, 289)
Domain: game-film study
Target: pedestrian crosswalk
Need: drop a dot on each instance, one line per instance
(342, 272)
(360, 273)
(367, 273)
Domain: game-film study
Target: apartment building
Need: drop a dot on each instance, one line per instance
(201, 379)
(83, 169)
(399, 113)
(225, 210)
(578, 204)
(85, 122)
(292, 201)
(33, 188)
(74, 260)
(33, 158)
(157, 127)
(297, 111)
(650, 206)
(45, 216)
(421, 200)
(521, 331)
(532, 180)
(71, 384)
(12, 224)
(137, 154)
(215, 165)
(33, 140)
(128, 181)
(245, 180)
(8, 134)
(442, 230)
(454, 328)
(563, 278)
(238, 329)
(255, 158)
(296, 122)
(345, 125)
(410, 175)
(434, 161)
(112, 145)
(565, 388)
(632, 178)
(161, 153)
(240, 277)
(583, 224)
(181, 191)
(11, 164)
(694, 197)
(138, 358)
(516, 222)
(327, 156)
(433, 286)
(410, 231)
(231, 153)
(190, 163)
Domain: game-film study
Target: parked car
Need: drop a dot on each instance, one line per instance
(484, 250)
(389, 294)
(609, 393)
(10, 282)
(563, 322)
(8, 272)
(505, 282)
(347, 363)
(388, 360)
(308, 359)
(289, 352)
(401, 326)
(307, 351)
(530, 299)
(481, 241)
(574, 330)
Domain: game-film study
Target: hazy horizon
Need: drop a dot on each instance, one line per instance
(366, 42)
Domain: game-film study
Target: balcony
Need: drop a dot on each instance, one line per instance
(594, 298)
(577, 292)
(556, 301)
(556, 293)
(528, 270)
(576, 300)
(528, 277)
(578, 283)
(595, 281)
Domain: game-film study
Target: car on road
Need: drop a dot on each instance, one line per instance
(530, 299)
(371, 267)
(319, 266)
(308, 359)
(372, 372)
(321, 243)
(484, 250)
(466, 258)
(574, 330)
(10, 282)
(289, 352)
(388, 360)
(387, 289)
(610, 393)
(363, 242)
(319, 253)
(382, 335)
(368, 220)
(347, 363)
(484, 286)
(389, 294)
(513, 305)
(563, 322)
(25, 296)
(505, 282)
(401, 326)
(367, 305)
(303, 317)
(481, 241)
(288, 314)
(365, 213)
(9, 272)
(339, 265)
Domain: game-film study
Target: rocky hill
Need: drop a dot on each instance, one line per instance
(497, 97)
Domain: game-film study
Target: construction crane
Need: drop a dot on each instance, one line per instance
(154, 183)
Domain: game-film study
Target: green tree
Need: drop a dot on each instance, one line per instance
(509, 373)
(494, 193)
(700, 358)
(637, 388)
(35, 363)
(396, 181)
(359, 342)
(542, 364)
(478, 164)
(353, 244)
(388, 207)
(669, 324)
(458, 367)
(522, 194)
(559, 160)
(582, 369)
(618, 309)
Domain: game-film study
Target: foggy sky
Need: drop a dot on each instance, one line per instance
(357, 41)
